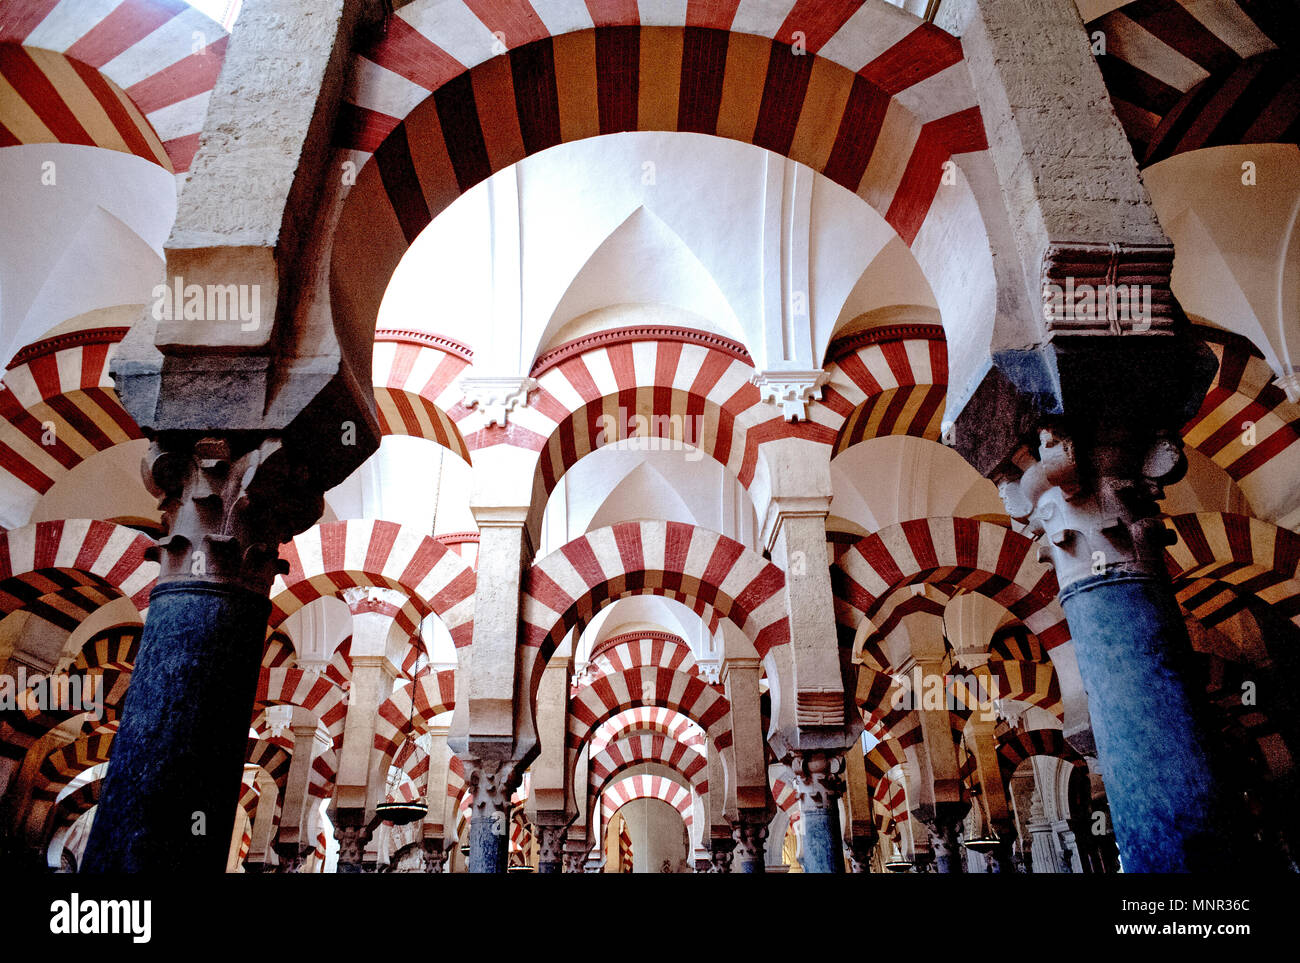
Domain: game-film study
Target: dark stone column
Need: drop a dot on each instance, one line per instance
(173, 782)
(749, 831)
(550, 848)
(819, 781)
(1092, 497)
(489, 782)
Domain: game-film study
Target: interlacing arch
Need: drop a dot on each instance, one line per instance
(571, 584)
(666, 386)
(672, 689)
(885, 381)
(146, 51)
(1245, 420)
(671, 789)
(47, 557)
(634, 750)
(333, 556)
(673, 724)
(956, 553)
(58, 407)
(633, 649)
(862, 125)
(435, 693)
(416, 393)
(1222, 563)
(65, 763)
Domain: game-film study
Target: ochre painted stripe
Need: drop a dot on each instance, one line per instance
(575, 79)
(660, 71)
(20, 69)
(747, 60)
(828, 92)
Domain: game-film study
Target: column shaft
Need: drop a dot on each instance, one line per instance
(170, 794)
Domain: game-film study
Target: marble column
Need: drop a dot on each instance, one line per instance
(1091, 496)
(945, 850)
(819, 782)
(169, 797)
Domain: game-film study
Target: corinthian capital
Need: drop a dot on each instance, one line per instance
(818, 776)
(228, 502)
(1093, 500)
(489, 783)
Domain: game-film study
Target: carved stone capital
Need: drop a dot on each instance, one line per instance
(550, 842)
(489, 783)
(749, 830)
(944, 847)
(228, 502)
(1093, 501)
(290, 856)
(859, 850)
(1290, 384)
(818, 777)
(792, 390)
(574, 862)
(352, 833)
(720, 853)
(435, 856)
(495, 397)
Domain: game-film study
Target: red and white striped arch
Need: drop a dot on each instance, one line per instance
(1222, 562)
(328, 558)
(648, 686)
(415, 378)
(651, 382)
(787, 800)
(647, 786)
(885, 381)
(65, 763)
(571, 584)
(959, 553)
(648, 747)
(59, 407)
(435, 693)
(164, 54)
(1245, 420)
(39, 559)
(871, 97)
(673, 724)
(308, 690)
(635, 649)
(931, 601)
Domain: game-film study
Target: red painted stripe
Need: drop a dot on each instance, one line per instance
(194, 75)
(921, 54)
(618, 77)
(17, 20)
(121, 119)
(605, 13)
(406, 51)
(514, 23)
(130, 22)
(817, 21)
(181, 150)
(938, 141)
(718, 14)
(18, 67)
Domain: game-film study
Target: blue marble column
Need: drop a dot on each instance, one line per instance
(819, 781)
(169, 798)
(1132, 647)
